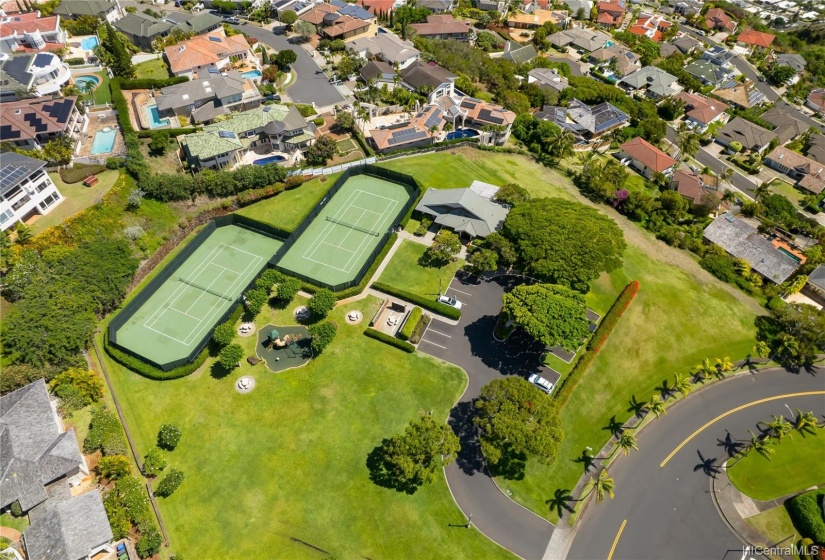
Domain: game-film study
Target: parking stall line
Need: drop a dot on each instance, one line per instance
(433, 343)
(441, 333)
(459, 291)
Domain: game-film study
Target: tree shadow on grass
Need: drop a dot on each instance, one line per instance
(217, 371)
(511, 466)
(614, 426)
(731, 446)
(559, 501)
(585, 460)
(380, 476)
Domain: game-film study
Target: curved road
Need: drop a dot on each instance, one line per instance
(662, 490)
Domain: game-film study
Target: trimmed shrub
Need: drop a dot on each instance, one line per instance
(806, 512)
(322, 302)
(154, 462)
(139, 366)
(231, 356)
(75, 61)
(426, 303)
(411, 323)
(149, 83)
(391, 340)
(170, 132)
(105, 434)
(322, 335)
(169, 483)
(223, 334)
(775, 303)
(251, 196)
(608, 323)
(168, 436)
(149, 543)
(287, 289)
(418, 332)
(114, 467)
(80, 171)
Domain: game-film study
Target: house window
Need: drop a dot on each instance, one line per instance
(49, 200)
(6, 216)
(20, 203)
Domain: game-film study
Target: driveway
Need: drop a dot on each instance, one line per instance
(312, 84)
(470, 345)
(663, 493)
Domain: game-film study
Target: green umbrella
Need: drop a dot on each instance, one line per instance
(273, 334)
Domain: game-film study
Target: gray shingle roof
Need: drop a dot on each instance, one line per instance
(420, 74)
(787, 127)
(795, 61)
(751, 136)
(83, 7)
(216, 86)
(519, 53)
(817, 277)
(655, 79)
(69, 530)
(463, 210)
(744, 242)
(200, 23)
(142, 25)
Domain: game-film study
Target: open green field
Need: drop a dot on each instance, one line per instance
(404, 272)
(76, 197)
(286, 210)
(287, 461)
(152, 69)
(680, 316)
(795, 465)
(776, 525)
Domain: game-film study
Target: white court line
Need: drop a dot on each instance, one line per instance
(459, 291)
(380, 221)
(441, 333)
(184, 314)
(204, 292)
(378, 196)
(434, 344)
(339, 247)
(166, 335)
(350, 204)
(325, 233)
(365, 210)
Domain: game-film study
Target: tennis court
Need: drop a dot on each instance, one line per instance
(185, 308)
(346, 231)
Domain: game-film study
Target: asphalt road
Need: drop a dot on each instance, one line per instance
(312, 84)
(470, 345)
(668, 510)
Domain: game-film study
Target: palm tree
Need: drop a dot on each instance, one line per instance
(688, 143)
(761, 349)
(726, 175)
(23, 233)
(682, 384)
(723, 365)
(603, 486)
(762, 191)
(705, 369)
(788, 345)
(805, 422)
(761, 446)
(656, 406)
(779, 427)
(627, 443)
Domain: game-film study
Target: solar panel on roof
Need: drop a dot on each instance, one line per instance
(226, 134)
(11, 175)
(214, 39)
(42, 59)
(411, 136)
(433, 120)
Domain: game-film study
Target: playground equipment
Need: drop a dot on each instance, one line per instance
(275, 339)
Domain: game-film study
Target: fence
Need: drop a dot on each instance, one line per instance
(170, 269)
(405, 181)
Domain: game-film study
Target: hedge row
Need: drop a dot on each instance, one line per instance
(610, 320)
(426, 303)
(391, 340)
(408, 215)
(806, 513)
(568, 384)
(245, 198)
(172, 132)
(361, 141)
(149, 83)
(144, 369)
(410, 324)
(80, 171)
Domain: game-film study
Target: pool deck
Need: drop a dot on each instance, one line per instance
(263, 152)
(97, 123)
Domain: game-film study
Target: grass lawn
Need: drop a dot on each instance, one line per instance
(346, 145)
(776, 525)
(153, 69)
(795, 466)
(287, 461)
(76, 197)
(680, 316)
(102, 94)
(404, 272)
(288, 208)
(17, 523)
(787, 190)
(167, 163)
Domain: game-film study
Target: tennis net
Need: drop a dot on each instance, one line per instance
(356, 228)
(205, 289)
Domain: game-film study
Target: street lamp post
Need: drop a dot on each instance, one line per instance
(469, 521)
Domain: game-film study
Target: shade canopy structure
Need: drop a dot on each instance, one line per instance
(273, 334)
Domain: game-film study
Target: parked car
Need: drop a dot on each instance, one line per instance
(279, 30)
(275, 97)
(232, 20)
(451, 301)
(541, 383)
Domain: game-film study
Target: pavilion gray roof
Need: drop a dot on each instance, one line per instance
(216, 86)
(655, 79)
(69, 530)
(743, 241)
(463, 210)
(817, 277)
(199, 24)
(549, 77)
(33, 451)
(519, 54)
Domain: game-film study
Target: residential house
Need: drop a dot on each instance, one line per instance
(518, 53)
(611, 13)
(316, 14)
(437, 6)
(754, 40)
(646, 158)
(378, 71)
(104, 9)
(31, 123)
(714, 67)
(344, 27)
(435, 81)
(651, 26)
(499, 6)
(585, 122)
(795, 61)
(547, 78)
(652, 81)
(29, 32)
(787, 126)
(816, 100)
(742, 94)
(222, 144)
(142, 29)
(717, 20)
(816, 282)
(196, 25)
(464, 211)
(205, 99)
(684, 45)
(686, 7)
(615, 61)
(587, 40)
(383, 7)
(698, 189)
(481, 114)
(752, 137)
(578, 7)
(422, 130)
(40, 73)
(701, 111)
(537, 17)
(816, 151)
(443, 26)
(809, 174)
(204, 55)
(387, 47)
(743, 241)
(530, 6)
(25, 189)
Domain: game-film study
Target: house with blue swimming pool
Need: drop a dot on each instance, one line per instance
(268, 131)
(206, 55)
(206, 99)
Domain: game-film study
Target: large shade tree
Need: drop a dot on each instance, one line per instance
(564, 242)
(553, 315)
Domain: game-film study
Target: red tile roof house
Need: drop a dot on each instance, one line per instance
(701, 111)
(650, 26)
(810, 175)
(610, 14)
(29, 33)
(717, 19)
(443, 26)
(697, 189)
(816, 100)
(646, 158)
(753, 40)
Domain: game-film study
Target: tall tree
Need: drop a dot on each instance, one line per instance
(603, 486)
(119, 61)
(553, 315)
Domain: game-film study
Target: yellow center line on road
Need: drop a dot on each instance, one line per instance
(731, 411)
(616, 540)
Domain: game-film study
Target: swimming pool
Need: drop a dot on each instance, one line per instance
(462, 133)
(104, 141)
(270, 159)
(154, 117)
(251, 75)
(87, 83)
(89, 43)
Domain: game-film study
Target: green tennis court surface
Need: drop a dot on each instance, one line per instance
(342, 237)
(184, 309)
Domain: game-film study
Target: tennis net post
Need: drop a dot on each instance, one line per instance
(352, 226)
(205, 289)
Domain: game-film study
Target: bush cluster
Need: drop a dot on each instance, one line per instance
(139, 366)
(170, 132)
(105, 434)
(80, 171)
(410, 324)
(391, 340)
(806, 513)
(170, 483)
(426, 303)
(609, 322)
(149, 83)
(169, 187)
(127, 504)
